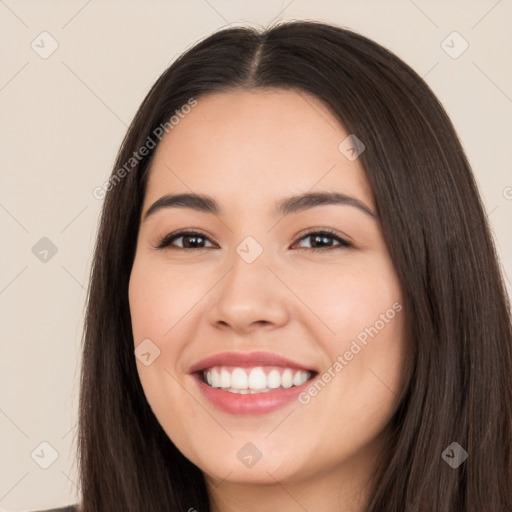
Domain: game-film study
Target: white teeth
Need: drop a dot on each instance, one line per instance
(225, 379)
(299, 379)
(274, 379)
(239, 379)
(287, 379)
(255, 380)
(215, 375)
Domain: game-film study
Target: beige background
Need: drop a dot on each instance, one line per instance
(63, 118)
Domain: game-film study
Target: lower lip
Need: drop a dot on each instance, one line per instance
(250, 404)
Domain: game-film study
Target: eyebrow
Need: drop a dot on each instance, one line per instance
(293, 204)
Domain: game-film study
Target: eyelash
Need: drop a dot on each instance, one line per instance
(165, 242)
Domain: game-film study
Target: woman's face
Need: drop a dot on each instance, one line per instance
(300, 333)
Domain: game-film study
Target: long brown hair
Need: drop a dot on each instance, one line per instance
(435, 227)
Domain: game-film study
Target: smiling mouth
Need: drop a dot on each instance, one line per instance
(255, 380)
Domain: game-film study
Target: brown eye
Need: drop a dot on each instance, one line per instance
(190, 240)
(319, 241)
(324, 240)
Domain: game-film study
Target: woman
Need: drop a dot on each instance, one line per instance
(293, 247)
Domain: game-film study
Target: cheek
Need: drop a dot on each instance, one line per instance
(159, 304)
(349, 299)
(362, 330)
(161, 300)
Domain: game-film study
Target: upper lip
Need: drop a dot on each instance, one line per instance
(246, 359)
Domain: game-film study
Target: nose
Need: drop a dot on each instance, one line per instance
(249, 297)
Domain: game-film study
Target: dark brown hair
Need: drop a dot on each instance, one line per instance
(435, 227)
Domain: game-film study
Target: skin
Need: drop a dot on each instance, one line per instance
(247, 150)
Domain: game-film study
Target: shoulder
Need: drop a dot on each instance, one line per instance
(70, 508)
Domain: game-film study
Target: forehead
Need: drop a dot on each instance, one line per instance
(255, 146)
